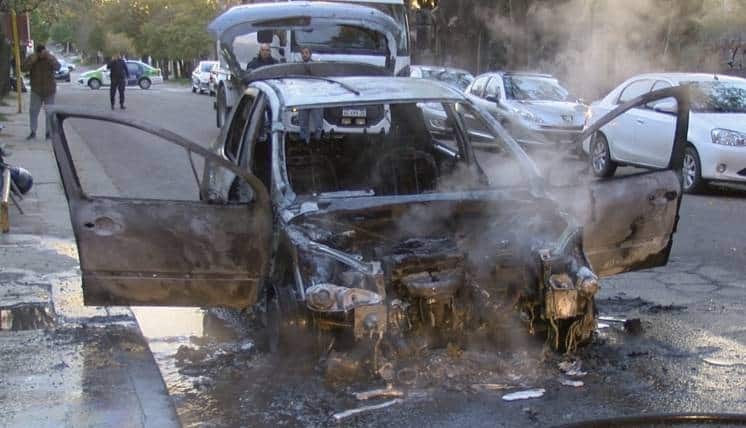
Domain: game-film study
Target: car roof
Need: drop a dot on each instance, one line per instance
(302, 92)
(516, 73)
(440, 67)
(687, 77)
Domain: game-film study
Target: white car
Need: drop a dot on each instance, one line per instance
(716, 147)
(201, 76)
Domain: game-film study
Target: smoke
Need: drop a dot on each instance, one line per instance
(592, 45)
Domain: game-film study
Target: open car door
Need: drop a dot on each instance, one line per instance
(148, 251)
(354, 21)
(628, 221)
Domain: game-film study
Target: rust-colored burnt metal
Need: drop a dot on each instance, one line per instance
(155, 252)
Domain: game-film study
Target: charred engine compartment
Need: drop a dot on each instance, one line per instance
(400, 284)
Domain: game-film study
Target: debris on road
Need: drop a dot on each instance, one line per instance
(572, 368)
(352, 412)
(665, 308)
(573, 383)
(376, 393)
(722, 363)
(633, 326)
(612, 319)
(524, 395)
(481, 387)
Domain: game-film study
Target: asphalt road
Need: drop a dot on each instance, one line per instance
(690, 356)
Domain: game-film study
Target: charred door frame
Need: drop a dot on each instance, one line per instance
(198, 275)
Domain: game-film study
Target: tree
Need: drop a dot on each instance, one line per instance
(20, 7)
(96, 40)
(118, 43)
(63, 31)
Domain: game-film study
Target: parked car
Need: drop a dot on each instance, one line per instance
(717, 128)
(535, 108)
(141, 74)
(201, 76)
(218, 73)
(63, 73)
(393, 239)
(455, 77)
(12, 83)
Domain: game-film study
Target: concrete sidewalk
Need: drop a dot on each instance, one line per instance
(62, 363)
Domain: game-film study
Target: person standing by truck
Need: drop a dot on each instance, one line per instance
(119, 75)
(42, 66)
(263, 58)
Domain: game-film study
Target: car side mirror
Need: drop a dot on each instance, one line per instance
(666, 106)
(492, 98)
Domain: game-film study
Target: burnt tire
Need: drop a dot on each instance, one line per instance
(144, 83)
(600, 157)
(691, 171)
(94, 84)
(221, 108)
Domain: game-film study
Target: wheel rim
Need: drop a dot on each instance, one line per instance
(689, 171)
(599, 156)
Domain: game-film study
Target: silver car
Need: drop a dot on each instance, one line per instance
(535, 108)
(201, 76)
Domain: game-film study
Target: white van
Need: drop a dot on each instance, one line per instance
(373, 32)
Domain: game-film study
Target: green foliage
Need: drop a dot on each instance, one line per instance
(63, 31)
(119, 42)
(97, 39)
(40, 30)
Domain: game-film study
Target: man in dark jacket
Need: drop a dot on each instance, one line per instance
(264, 58)
(42, 66)
(119, 75)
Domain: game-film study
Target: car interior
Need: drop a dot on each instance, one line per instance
(406, 160)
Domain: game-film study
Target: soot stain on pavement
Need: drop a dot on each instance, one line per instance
(225, 379)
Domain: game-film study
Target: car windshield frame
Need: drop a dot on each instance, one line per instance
(513, 91)
(465, 152)
(461, 78)
(706, 102)
(332, 33)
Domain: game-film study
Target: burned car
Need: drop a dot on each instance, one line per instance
(394, 240)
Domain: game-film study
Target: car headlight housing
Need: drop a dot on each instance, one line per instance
(527, 116)
(727, 137)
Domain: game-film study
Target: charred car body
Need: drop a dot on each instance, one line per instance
(397, 239)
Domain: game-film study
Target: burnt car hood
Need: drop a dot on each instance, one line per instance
(304, 16)
(356, 231)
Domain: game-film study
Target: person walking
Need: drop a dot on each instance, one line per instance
(118, 74)
(41, 65)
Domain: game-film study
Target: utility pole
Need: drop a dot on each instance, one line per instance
(17, 55)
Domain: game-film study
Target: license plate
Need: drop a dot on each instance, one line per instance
(354, 112)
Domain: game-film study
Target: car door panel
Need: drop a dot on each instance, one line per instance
(654, 133)
(629, 221)
(621, 132)
(165, 252)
